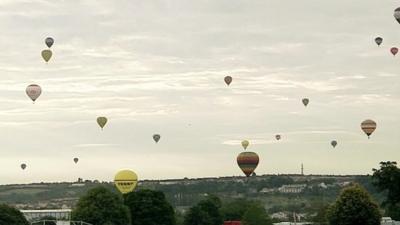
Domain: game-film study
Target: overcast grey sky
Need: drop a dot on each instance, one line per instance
(158, 67)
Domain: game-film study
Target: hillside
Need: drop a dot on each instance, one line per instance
(277, 192)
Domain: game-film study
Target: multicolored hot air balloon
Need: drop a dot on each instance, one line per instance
(397, 14)
(305, 101)
(126, 181)
(378, 41)
(394, 51)
(156, 137)
(248, 162)
(23, 166)
(49, 42)
(245, 144)
(334, 143)
(76, 160)
(278, 137)
(228, 80)
(33, 91)
(46, 55)
(368, 126)
(102, 121)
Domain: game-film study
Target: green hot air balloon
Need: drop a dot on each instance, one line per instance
(245, 144)
(334, 143)
(378, 41)
(23, 166)
(248, 162)
(305, 101)
(101, 121)
(156, 137)
(46, 55)
(76, 160)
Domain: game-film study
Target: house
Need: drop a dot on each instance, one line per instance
(292, 188)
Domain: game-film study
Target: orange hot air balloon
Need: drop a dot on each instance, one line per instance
(248, 162)
(368, 126)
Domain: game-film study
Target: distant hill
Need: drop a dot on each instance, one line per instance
(277, 192)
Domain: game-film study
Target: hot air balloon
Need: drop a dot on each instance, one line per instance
(397, 14)
(368, 126)
(125, 181)
(245, 144)
(23, 166)
(394, 51)
(378, 41)
(46, 55)
(33, 91)
(278, 137)
(156, 137)
(49, 42)
(228, 80)
(305, 101)
(76, 160)
(101, 121)
(247, 162)
(334, 143)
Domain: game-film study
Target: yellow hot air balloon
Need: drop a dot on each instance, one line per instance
(126, 181)
(46, 55)
(245, 144)
(101, 121)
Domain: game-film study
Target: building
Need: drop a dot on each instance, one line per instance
(58, 214)
(292, 188)
(389, 221)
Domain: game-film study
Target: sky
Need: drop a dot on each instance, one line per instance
(159, 66)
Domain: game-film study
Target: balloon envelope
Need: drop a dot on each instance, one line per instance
(394, 50)
(248, 162)
(125, 181)
(49, 42)
(228, 80)
(101, 121)
(245, 144)
(397, 14)
(378, 41)
(368, 126)
(76, 160)
(305, 101)
(23, 166)
(278, 137)
(33, 91)
(156, 137)
(46, 55)
(334, 143)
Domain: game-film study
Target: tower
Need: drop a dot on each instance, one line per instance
(302, 169)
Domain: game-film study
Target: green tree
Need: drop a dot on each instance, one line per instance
(11, 215)
(387, 179)
(100, 206)
(354, 206)
(149, 207)
(206, 212)
(235, 210)
(321, 217)
(256, 215)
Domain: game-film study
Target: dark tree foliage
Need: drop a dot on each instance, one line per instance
(387, 179)
(11, 216)
(234, 211)
(149, 207)
(100, 206)
(206, 212)
(256, 215)
(354, 206)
